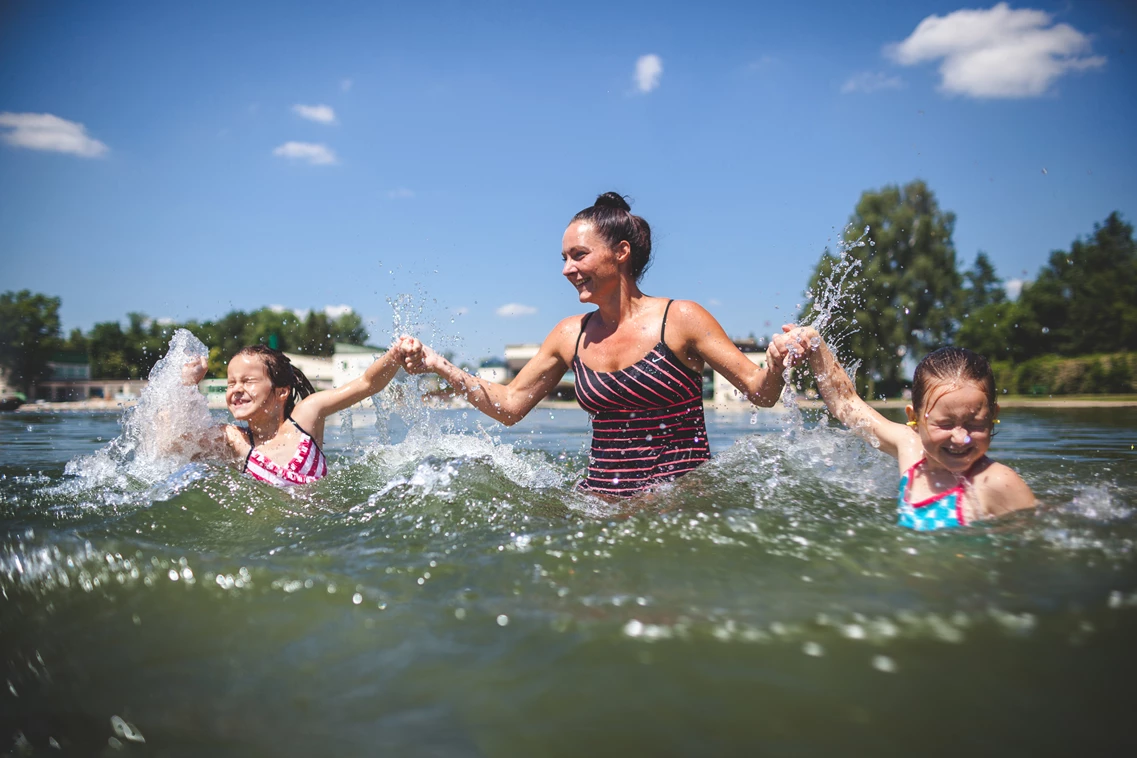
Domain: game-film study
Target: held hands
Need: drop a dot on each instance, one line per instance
(194, 371)
(417, 357)
(793, 346)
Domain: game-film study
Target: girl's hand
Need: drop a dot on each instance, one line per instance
(194, 371)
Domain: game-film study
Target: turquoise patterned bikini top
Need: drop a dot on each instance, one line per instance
(942, 511)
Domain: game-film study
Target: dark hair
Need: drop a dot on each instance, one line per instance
(614, 221)
(282, 373)
(952, 364)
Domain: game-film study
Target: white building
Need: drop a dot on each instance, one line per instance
(494, 370)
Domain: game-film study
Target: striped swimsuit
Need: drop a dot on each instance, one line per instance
(306, 465)
(647, 420)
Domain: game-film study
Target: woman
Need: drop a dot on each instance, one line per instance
(638, 360)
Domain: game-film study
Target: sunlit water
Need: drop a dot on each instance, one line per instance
(448, 592)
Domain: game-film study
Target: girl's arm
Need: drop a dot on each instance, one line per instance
(312, 410)
(165, 438)
(703, 336)
(507, 403)
(840, 396)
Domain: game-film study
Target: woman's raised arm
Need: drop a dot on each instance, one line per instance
(507, 403)
(702, 335)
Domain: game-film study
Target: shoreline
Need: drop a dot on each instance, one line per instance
(1009, 401)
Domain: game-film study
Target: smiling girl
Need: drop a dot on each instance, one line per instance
(946, 479)
(283, 415)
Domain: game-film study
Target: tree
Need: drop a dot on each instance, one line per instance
(908, 285)
(349, 328)
(107, 351)
(1085, 300)
(981, 286)
(29, 334)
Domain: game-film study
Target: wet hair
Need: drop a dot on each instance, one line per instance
(952, 364)
(281, 373)
(614, 221)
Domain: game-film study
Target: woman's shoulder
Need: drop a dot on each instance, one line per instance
(686, 314)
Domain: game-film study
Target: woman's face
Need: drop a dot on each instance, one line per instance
(250, 390)
(591, 266)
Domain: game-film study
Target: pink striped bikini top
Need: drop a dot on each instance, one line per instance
(647, 420)
(307, 464)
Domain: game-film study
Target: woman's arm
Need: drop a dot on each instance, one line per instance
(703, 336)
(312, 410)
(840, 396)
(507, 403)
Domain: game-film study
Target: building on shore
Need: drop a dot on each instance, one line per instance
(516, 356)
(724, 395)
(70, 381)
(70, 378)
(493, 370)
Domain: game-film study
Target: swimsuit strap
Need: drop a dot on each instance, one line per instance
(583, 323)
(663, 326)
(305, 433)
(249, 454)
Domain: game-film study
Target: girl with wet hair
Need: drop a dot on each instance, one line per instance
(946, 478)
(637, 360)
(280, 441)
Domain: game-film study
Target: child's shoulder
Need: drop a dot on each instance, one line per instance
(236, 436)
(1001, 489)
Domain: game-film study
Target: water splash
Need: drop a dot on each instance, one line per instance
(162, 433)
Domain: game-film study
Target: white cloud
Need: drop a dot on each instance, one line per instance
(335, 311)
(513, 310)
(400, 193)
(1013, 287)
(765, 62)
(345, 84)
(43, 131)
(871, 81)
(997, 53)
(275, 308)
(320, 113)
(649, 69)
(461, 310)
(315, 154)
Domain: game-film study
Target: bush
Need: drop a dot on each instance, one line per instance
(1055, 375)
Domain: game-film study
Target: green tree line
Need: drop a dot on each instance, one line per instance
(30, 336)
(891, 293)
(895, 290)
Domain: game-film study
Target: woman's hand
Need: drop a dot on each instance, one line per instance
(194, 371)
(792, 347)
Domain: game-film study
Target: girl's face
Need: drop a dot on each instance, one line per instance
(955, 425)
(250, 390)
(590, 265)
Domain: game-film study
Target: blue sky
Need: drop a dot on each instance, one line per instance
(201, 157)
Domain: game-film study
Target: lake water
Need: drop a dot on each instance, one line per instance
(446, 592)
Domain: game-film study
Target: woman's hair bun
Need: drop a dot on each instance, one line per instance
(614, 221)
(613, 200)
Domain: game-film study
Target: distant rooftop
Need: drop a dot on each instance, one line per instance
(345, 347)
